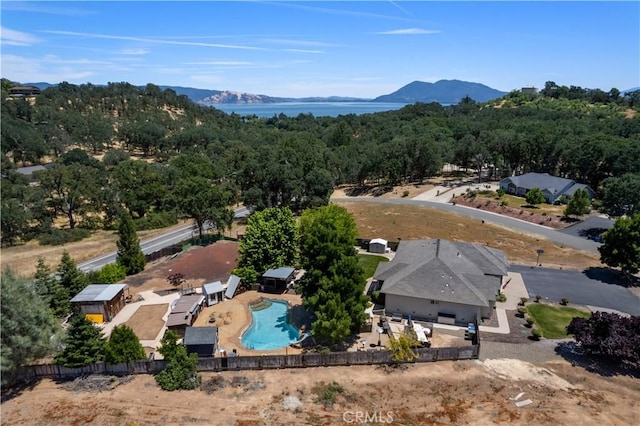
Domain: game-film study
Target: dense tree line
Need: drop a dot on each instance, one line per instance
(164, 156)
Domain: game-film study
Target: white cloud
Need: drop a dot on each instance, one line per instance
(315, 52)
(10, 6)
(17, 38)
(296, 42)
(133, 52)
(408, 31)
(153, 40)
(222, 63)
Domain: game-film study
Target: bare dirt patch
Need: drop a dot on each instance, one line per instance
(199, 265)
(452, 392)
(147, 321)
(415, 222)
(384, 191)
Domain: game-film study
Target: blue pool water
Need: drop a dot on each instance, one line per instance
(270, 329)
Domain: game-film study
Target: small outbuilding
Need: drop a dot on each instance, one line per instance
(201, 340)
(213, 292)
(378, 245)
(277, 279)
(232, 286)
(100, 302)
(185, 312)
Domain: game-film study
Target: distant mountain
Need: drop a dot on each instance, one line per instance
(232, 97)
(443, 92)
(633, 89)
(192, 93)
(40, 85)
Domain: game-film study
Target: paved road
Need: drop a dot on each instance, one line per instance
(520, 225)
(147, 246)
(600, 291)
(154, 244)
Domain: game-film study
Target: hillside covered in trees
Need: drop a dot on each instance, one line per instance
(159, 156)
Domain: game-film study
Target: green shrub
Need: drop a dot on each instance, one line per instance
(405, 193)
(156, 221)
(500, 192)
(181, 370)
(91, 223)
(523, 301)
(538, 297)
(536, 333)
(501, 297)
(56, 237)
(326, 394)
(111, 274)
(529, 321)
(521, 312)
(564, 301)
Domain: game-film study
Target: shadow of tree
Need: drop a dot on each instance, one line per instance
(15, 390)
(611, 276)
(591, 233)
(602, 366)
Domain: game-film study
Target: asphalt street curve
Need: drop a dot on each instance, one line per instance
(489, 217)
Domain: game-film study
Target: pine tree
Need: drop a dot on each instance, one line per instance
(71, 278)
(181, 370)
(123, 346)
(51, 290)
(333, 285)
(83, 344)
(130, 254)
(26, 324)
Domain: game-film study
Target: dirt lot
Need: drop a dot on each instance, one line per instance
(413, 222)
(460, 392)
(147, 322)
(199, 265)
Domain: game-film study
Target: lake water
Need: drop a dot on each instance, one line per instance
(318, 109)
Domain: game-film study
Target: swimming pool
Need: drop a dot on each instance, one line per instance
(270, 328)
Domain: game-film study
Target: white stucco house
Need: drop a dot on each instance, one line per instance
(441, 281)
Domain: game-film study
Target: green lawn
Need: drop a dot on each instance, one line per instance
(553, 320)
(369, 263)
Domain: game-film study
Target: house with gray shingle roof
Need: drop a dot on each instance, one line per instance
(552, 187)
(442, 281)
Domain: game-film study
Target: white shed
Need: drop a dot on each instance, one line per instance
(213, 292)
(378, 245)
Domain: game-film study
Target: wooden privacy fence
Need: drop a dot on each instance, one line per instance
(167, 251)
(251, 362)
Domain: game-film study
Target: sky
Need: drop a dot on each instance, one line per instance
(337, 48)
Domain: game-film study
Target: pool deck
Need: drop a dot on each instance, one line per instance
(233, 317)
